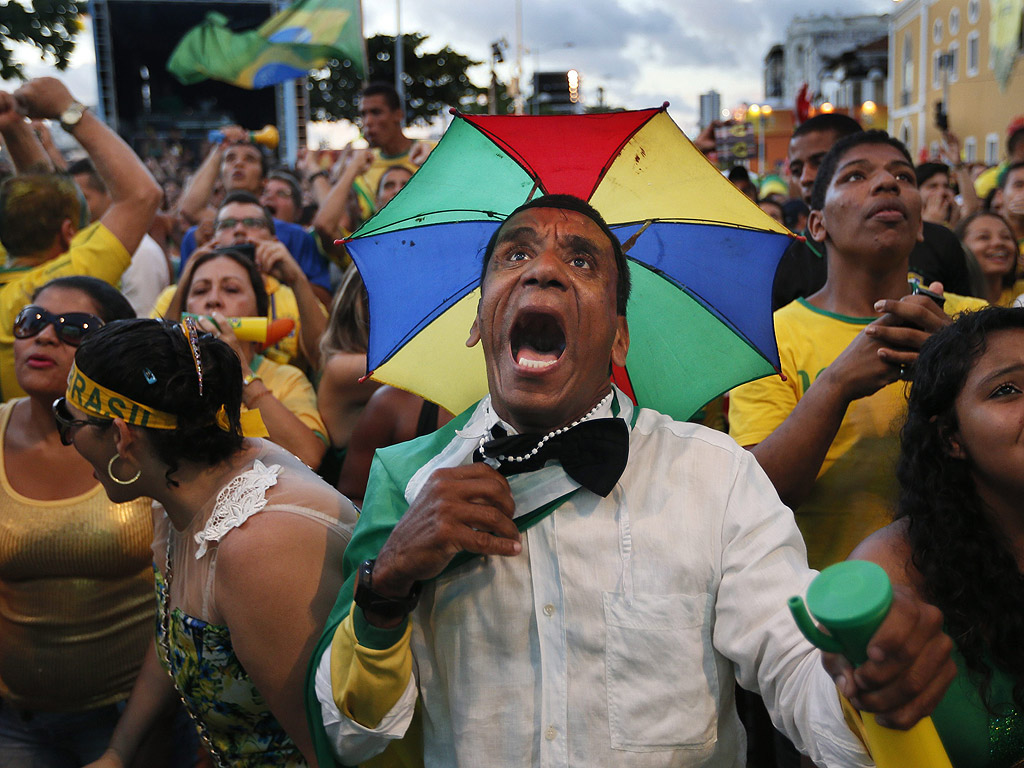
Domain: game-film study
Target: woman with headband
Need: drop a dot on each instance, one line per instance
(247, 555)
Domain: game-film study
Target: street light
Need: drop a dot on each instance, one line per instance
(760, 111)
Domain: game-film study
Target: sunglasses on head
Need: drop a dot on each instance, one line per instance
(71, 327)
(66, 422)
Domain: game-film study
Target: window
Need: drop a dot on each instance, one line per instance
(970, 150)
(933, 150)
(937, 58)
(973, 52)
(953, 62)
(937, 31)
(992, 149)
(905, 136)
(908, 69)
(973, 11)
(954, 21)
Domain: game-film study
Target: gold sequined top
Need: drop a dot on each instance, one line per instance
(77, 605)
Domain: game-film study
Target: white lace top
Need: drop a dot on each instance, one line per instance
(273, 482)
(237, 501)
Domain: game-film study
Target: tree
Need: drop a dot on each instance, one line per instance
(433, 81)
(51, 26)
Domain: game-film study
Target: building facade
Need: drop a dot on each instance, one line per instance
(710, 108)
(813, 45)
(941, 51)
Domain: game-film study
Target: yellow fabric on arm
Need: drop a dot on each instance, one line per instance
(367, 683)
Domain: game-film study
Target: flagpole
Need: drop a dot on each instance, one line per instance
(362, 43)
(399, 56)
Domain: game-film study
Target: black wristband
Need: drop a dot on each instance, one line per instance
(376, 603)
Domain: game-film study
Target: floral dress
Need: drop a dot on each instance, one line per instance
(233, 719)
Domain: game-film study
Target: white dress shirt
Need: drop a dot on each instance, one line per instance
(615, 637)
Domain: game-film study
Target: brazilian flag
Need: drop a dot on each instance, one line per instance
(286, 46)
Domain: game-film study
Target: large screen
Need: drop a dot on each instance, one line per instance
(143, 33)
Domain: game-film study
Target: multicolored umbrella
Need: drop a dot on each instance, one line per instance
(702, 256)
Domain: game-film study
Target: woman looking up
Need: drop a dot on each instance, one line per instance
(248, 555)
(958, 539)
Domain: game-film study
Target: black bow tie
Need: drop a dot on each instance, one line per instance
(592, 453)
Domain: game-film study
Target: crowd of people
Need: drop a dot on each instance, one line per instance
(340, 572)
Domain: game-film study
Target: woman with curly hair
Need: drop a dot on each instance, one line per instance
(958, 539)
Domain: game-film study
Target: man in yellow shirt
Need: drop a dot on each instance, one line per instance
(826, 435)
(39, 212)
(380, 117)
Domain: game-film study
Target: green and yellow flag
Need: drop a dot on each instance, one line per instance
(287, 45)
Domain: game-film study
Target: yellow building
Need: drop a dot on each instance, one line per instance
(941, 51)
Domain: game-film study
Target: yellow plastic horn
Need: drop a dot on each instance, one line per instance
(267, 136)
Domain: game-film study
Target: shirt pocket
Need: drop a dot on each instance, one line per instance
(660, 672)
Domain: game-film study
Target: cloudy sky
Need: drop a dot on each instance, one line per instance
(642, 52)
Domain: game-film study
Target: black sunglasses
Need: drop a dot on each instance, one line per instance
(71, 328)
(65, 421)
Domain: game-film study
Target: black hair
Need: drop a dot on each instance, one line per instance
(1013, 139)
(255, 278)
(382, 89)
(1005, 175)
(84, 167)
(829, 163)
(247, 198)
(832, 122)
(121, 354)
(738, 173)
(969, 572)
(571, 203)
(792, 210)
(925, 171)
(110, 302)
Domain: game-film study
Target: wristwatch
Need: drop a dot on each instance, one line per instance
(378, 604)
(71, 116)
(248, 377)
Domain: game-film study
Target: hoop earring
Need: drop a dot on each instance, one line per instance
(119, 481)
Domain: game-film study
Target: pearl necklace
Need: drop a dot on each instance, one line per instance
(554, 433)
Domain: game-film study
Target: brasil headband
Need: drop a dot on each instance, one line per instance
(96, 400)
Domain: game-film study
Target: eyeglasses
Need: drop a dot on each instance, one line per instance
(248, 222)
(65, 422)
(71, 328)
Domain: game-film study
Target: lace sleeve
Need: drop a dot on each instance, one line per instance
(237, 501)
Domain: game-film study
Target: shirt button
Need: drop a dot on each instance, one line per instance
(550, 733)
(549, 610)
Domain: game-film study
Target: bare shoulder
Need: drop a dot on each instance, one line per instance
(890, 548)
(271, 550)
(344, 369)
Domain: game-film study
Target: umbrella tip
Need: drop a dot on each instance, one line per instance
(364, 379)
(452, 111)
(343, 241)
(664, 105)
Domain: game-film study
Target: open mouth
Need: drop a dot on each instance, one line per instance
(537, 340)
